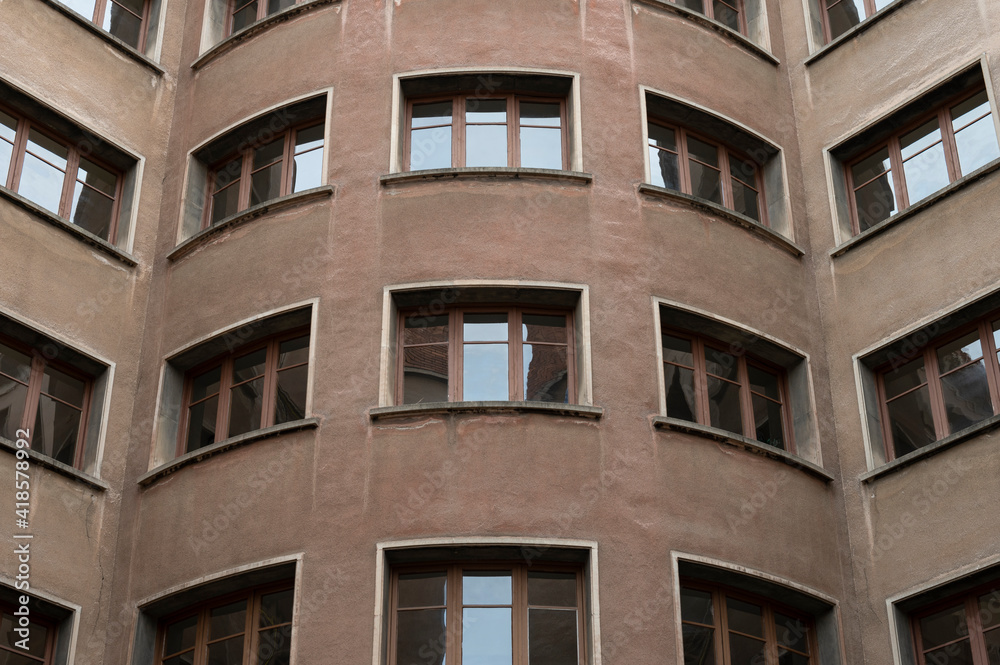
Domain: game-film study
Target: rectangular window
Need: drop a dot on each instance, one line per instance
(252, 627)
(922, 155)
(963, 629)
(501, 614)
(55, 173)
(730, 13)
(41, 639)
(125, 19)
(718, 385)
(839, 16)
(486, 353)
(952, 384)
(243, 13)
(495, 130)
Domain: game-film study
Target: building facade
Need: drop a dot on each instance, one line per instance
(534, 331)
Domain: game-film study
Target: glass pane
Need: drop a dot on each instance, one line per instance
(123, 24)
(423, 329)
(134, 6)
(881, 4)
(275, 646)
(430, 148)
(543, 328)
(966, 396)
(290, 399)
(745, 617)
(486, 636)
(663, 170)
(705, 182)
(791, 658)
(662, 137)
(959, 352)
(910, 375)
(309, 138)
(721, 363)
(247, 400)
(696, 606)
(36, 642)
(225, 203)
(56, 429)
(679, 383)
(228, 174)
(871, 166)
(724, 405)
(183, 659)
(485, 110)
(63, 387)
(6, 152)
(876, 201)
(989, 609)
(552, 638)
(15, 364)
(703, 152)
(699, 645)
(743, 169)
(15, 395)
(540, 113)
(484, 327)
(486, 588)
(677, 350)
(205, 384)
(541, 148)
(484, 374)
(421, 637)
(249, 365)
(959, 653)
(181, 634)
(745, 650)
(97, 177)
(227, 652)
(265, 184)
(277, 5)
(422, 589)
(726, 15)
(546, 373)
(486, 145)
(926, 173)
(977, 145)
(920, 138)
(41, 183)
(268, 153)
(307, 171)
(201, 423)
(943, 627)
(91, 211)
(845, 15)
(227, 620)
(911, 422)
(767, 422)
(791, 632)
(745, 201)
(993, 646)
(694, 5)
(425, 374)
(276, 608)
(45, 148)
(432, 114)
(293, 351)
(8, 127)
(245, 16)
(764, 382)
(552, 589)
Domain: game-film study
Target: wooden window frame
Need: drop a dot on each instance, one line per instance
(933, 378)
(101, 5)
(38, 365)
(724, 153)
(513, 123)
(203, 609)
(225, 363)
(245, 155)
(721, 627)
(519, 604)
(699, 343)
(515, 356)
(19, 151)
(973, 621)
(942, 112)
(708, 9)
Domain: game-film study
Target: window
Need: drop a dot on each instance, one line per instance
(493, 130)
(724, 626)
(51, 170)
(952, 384)
(686, 162)
(125, 19)
(938, 148)
(502, 613)
(486, 353)
(252, 627)
(242, 12)
(256, 386)
(839, 16)
(963, 629)
(38, 637)
(727, 12)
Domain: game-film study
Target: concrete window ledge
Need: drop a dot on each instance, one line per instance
(244, 216)
(253, 29)
(106, 36)
(744, 443)
(488, 173)
(954, 187)
(74, 230)
(726, 214)
(978, 429)
(58, 467)
(864, 26)
(439, 408)
(233, 442)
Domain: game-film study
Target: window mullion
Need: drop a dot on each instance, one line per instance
(250, 639)
(69, 183)
(722, 625)
(896, 164)
(99, 11)
(456, 359)
(726, 177)
(453, 625)
(702, 410)
(516, 351)
(746, 399)
(287, 163)
(936, 395)
(519, 616)
(246, 166)
(270, 387)
(992, 364)
(81, 435)
(975, 625)
(682, 157)
(20, 148)
(458, 132)
(34, 393)
(225, 387)
(513, 131)
(770, 636)
(950, 144)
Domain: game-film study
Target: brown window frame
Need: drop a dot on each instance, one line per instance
(933, 378)
(15, 169)
(245, 155)
(726, 177)
(976, 631)
(50, 638)
(513, 123)
(202, 610)
(941, 111)
(98, 20)
(824, 9)
(233, 6)
(38, 365)
(515, 356)
(721, 628)
(708, 9)
(454, 604)
(699, 343)
(225, 363)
